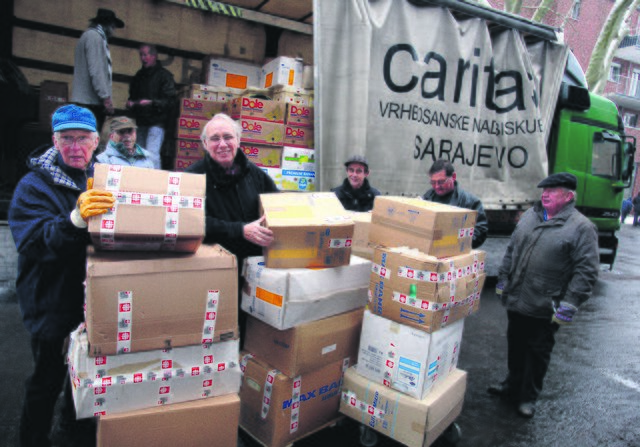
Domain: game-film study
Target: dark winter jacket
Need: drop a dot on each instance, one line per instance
(232, 201)
(51, 250)
(360, 199)
(463, 199)
(636, 204)
(550, 261)
(155, 83)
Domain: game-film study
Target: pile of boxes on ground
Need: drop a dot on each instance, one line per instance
(158, 360)
(273, 107)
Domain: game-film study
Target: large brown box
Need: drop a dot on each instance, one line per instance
(155, 210)
(199, 108)
(412, 422)
(446, 289)
(277, 410)
(257, 109)
(144, 301)
(361, 245)
(436, 229)
(190, 128)
(310, 230)
(306, 347)
(200, 423)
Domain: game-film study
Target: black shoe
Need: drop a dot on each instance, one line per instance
(500, 389)
(527, 409)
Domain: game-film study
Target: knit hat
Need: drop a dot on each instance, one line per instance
(121, 122)
(560, 179)
(73, 117)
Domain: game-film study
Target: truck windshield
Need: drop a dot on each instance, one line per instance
(605, 162)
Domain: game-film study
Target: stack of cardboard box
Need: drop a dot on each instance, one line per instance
(305, 299)
(157, 357)
(425, 280)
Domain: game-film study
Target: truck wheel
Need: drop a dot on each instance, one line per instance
(452, 434)
(368, 437)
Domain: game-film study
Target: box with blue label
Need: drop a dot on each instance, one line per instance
(405, 358)
(294, 180)
(298, 159)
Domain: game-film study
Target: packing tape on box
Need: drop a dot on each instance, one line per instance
(351, 399)
(125, 315)
(266, 394)
(389, 364)
(429, 306)
(243, 362)
(295, 404)
(172, 201)
(210, 316)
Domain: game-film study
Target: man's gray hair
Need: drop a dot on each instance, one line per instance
(222, 117)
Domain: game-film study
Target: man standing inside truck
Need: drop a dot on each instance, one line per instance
(355, 193)
(548, 271)
(444, 189)
(47, 218)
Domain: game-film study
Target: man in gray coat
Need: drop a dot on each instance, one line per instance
(548, 271)
(91, 86)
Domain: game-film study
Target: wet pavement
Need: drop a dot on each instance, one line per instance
(591, 395)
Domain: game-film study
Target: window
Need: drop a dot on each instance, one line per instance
(630, 120)
(575, 9)
(614, 72)
(606, 153)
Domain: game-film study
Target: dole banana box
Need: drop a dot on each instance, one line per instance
(298, 159)
(310, 230)
(411, 422)
(423, 291)
(302, 181)
(189, 149)
(257, 109)
(433, 228)
(405, 358)
(190, 128)
(261, 132)
(262, 155)
(291, 95)
(298, 136)
(278, 410)
(180, 164)
(200, 108)
(299, 115)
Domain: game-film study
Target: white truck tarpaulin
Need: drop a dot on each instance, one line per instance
(404, 85)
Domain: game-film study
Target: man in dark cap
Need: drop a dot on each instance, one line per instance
(355, 193)
(92, 66)
(445, 189)
(548, 271)
(48, 220)
(122, 148)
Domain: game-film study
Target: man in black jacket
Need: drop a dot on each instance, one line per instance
(444, 189)
(234, 185)
(355, 193)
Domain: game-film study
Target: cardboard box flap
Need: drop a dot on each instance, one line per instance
(152, 181)
(286, 209)
(101, 263)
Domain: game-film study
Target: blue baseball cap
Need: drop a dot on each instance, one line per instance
(73, 117)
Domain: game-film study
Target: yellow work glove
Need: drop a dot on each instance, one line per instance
(92, 202)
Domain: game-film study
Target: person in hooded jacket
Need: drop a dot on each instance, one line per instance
(47, 218)
(233, 188)
(355, 193)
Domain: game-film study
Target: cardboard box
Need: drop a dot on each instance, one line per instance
(199, 108)
(214, 93)
(278, 410)
(292, 95)
(190, 128)
(257, 109)
(262, 132)
(299, 115)
(282, 71)
(128, 382)
(302, 181)
(181, 164)
(275, 174)
(446, 289)
(404, 358)
(229, 73)
(411, 422)
(144, 301)
(261, 155)
(298, 136)
(189, 149)
(310, 230)
(284, 298)
(298, 159)
(199, 423)
(155, 210)
(307, 346)
(436, 229)
(53, 94)
(360, 245)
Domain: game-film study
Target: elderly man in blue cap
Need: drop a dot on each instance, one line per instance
(548, 271)
(47, 218)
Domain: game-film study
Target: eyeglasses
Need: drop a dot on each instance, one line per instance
(440, 182)
(80, 141)
(125, 131)
(227, 138)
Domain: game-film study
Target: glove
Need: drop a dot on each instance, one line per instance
(92, 202)
(564, 313)
(500, 292)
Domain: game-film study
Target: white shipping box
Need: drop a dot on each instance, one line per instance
(228, 73)
(287, 297)
(119, 383)
(412, 422)
(282, 71)
(404, 358)
(298, 159)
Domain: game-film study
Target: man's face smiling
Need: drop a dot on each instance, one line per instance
(356, 173)
(221, 142)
